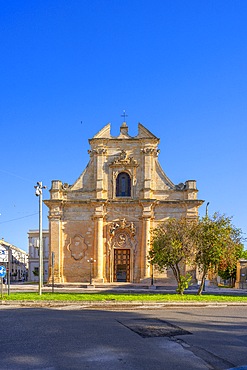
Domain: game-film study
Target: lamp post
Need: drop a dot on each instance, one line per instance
(207, 209)
(152, 274)
(242, 279)
(38, 192)
(91, 261)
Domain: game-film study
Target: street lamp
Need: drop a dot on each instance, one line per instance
(38, 192)
(91, 261)
(242, 275)
(207, 209)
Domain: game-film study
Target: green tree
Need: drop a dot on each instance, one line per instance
(218, 245)
(173, 247)
(229, 273)
(243, 254)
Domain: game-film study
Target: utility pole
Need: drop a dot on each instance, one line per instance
(38, 192)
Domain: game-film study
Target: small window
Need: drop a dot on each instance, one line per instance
(123, 188)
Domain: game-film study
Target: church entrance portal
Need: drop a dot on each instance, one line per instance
(121, 265)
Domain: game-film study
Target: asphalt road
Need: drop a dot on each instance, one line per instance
(172, 338)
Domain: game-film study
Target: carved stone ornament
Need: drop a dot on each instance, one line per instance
(122, 240)
(123, 224)
(123, 159)
(65, 186)
(77, 247)
(180, 186)
(150, 151)
(122, 235)
(97, 151)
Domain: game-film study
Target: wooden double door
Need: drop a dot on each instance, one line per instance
(121, 265)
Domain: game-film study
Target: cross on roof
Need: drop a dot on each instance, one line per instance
(124, 115)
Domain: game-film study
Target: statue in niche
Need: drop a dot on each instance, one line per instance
(77, 247)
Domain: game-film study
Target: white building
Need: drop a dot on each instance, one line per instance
(33, 242)
(18, 261)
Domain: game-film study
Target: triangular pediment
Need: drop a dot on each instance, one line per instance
(143, 132)
(104, 132)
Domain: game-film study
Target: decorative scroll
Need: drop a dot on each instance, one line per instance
(180, 186)
(65, 186)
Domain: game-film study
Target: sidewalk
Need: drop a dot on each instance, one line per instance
(120, 288)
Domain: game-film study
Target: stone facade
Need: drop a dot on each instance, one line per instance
(107, 214)
(241, 274)
(33, 245)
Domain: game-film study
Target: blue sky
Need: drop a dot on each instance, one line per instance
(70, 67)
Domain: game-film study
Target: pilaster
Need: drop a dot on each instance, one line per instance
(100, 159)
(99, 243)
(55, 230)
(147, 216)
(148, 165)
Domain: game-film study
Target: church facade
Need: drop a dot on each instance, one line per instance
(100, 226)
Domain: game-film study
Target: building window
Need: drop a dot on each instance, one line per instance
(123, 187)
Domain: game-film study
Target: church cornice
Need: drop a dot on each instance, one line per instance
(195, 202)
(123, 201)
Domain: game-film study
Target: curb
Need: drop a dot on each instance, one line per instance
(130, 305)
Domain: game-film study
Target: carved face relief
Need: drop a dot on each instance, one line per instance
(77, 247)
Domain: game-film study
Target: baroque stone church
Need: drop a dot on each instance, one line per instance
(108, 213)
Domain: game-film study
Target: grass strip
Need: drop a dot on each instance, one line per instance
(123, 297)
